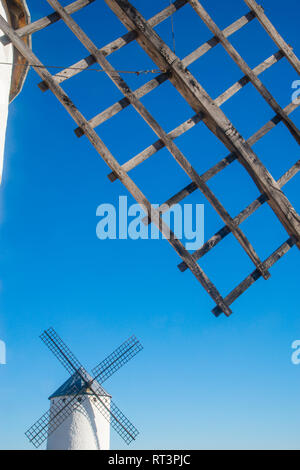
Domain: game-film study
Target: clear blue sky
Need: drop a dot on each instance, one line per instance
(200, 382)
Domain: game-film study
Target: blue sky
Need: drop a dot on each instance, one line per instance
(200, 382)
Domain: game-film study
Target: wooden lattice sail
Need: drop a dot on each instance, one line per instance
(207, 110)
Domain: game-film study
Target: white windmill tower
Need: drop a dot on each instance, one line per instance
(85, 428)
(81, 411)
(13, 67)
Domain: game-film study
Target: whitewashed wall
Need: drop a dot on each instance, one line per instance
(6, 55)
(85, 429)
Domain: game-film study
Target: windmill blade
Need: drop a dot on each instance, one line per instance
(122, 425)
(56, 345)
(114, 415)
(52, 419)
(117, 359)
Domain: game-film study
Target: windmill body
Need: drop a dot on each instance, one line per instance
(85, 428)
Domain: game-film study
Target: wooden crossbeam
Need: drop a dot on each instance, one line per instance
(274, 34)
(206, 109)
(46, 21)
(241, 217)
(163, 77)
(214, 170)
(264, 92)
(107, 156)
(114, 109)
(190, 123)
(214, 41)
(117, 44)
(154, 125)
(215, 119)
(255, 275)
(131, 36)
(158, 145)
(265, 65)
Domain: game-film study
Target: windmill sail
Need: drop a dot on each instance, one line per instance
(114, 415)
(117, 359)
(52, 419)
(57, 346)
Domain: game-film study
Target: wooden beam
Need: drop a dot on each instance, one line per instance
(273, 33)
(154, 125)
(255, 275)
(131, 36)
(264, 92)
(114, 109)
(46, 21)
(117, 44)
(214, 170)
(158, 145)
(163, 77)
(107, 156)
(214, 41)
(215, 119)
(241, 217)
(265, 65)
(187, 125)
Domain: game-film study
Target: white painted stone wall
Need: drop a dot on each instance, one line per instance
(85, 429)
(6, 55)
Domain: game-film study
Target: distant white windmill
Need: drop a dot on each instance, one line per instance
(81, 411)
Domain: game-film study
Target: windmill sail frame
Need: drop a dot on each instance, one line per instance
(207, 111)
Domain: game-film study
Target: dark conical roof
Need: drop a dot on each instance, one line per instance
(74, 384)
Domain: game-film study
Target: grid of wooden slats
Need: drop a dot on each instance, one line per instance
(206, 110)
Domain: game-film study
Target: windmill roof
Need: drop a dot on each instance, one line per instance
(74, 384)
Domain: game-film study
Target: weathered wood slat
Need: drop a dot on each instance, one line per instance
(214, 41)
(273, 33)
(273, 59)
(46, 21)
(113, 164)
(255, 275)
(169, 144)
(117, 44)
(124, 102)
(203, 105)
(158, 145)
(190, 123)
(215, 119)
(245, 68)
(189, 189)
(131, 36)
(241, 217)
(163, 77)
(272, 123)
